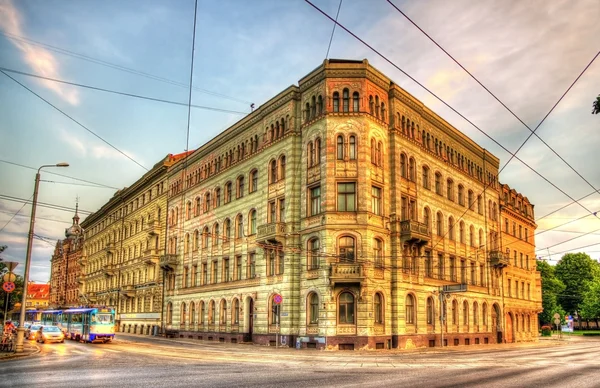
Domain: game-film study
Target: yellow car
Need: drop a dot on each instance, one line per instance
(49, 334)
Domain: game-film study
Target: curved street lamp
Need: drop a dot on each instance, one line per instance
(21, 328)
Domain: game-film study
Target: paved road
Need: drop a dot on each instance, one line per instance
(136, 361)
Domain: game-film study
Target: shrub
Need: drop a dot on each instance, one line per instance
(546, 331)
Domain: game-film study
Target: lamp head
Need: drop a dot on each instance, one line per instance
(62, 164)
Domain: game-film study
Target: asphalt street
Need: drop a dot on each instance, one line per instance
(137, 361)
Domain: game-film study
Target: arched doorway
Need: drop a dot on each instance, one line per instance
(509, 328)
(248, 319)
(496, 323)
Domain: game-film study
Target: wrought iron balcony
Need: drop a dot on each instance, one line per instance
(273, 231)
(346, 273)
(415, 232)
(168, 262)
(498, 258)
(153, 227)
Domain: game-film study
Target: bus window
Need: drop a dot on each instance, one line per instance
(103, 318)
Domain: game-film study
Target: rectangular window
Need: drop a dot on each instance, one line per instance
(452, 269)
(238, 267)
(315, 200)
(441, 268)
(527, 261)
(428, 264)
(463, 271)
(473, 273)
(194, 275)
(482, 274)
(225, 276)
(281, 204)
(403, 208)
(526, 235)
(215, 272)
(346, 197)
(270, 255)
(272, 212)
(204, 273)
(376, 200)
(251, 265)
(509, 288)
(412, 209)
(521, 258)
(280, 262)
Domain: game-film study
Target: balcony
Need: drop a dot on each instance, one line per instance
(153, 227)
(275, 231)
(82, 261)
(414, 232)
(346, 273)
(168, 262)
(498, 259)
(110, 248)
(151, 256)
(128, 291)
(109, 270)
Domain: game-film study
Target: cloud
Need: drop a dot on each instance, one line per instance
(95, 150)
(39, 59)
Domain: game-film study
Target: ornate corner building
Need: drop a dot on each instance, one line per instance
(356, 204)
(65, 271)
(123, 243)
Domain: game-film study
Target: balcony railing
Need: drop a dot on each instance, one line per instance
(415, 232)
(151, 256)
(168, 262)
(153, 227)
(346, 273)
(272, 231)
(498, 258)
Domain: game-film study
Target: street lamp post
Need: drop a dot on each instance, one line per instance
(21, 328)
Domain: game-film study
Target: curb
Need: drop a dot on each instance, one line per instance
(26, 353)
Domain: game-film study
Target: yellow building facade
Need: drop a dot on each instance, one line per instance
(350, 203)
(123, 243)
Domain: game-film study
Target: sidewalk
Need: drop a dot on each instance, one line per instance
(29, 348)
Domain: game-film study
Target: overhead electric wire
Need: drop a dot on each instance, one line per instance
(333, 30)
(75, 184)
(533, 132)
(58, 174)
(455, 110)
(569, 250)
(76, 122)
(121, 93)
(36, 217)
(15, 214)
(118, 67)
(569, 240)
(43, 204)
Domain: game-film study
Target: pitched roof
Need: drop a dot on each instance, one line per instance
(38, 291)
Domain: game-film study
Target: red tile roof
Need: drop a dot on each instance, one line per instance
(38, 291)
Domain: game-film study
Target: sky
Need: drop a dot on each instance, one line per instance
(527, 53)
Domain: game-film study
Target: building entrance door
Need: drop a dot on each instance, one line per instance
(250, 313)
(509, 328)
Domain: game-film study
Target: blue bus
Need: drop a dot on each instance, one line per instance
(94, 324)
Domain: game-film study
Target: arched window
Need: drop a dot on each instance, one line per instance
(227, 229)
(484, 314)
(472, 236)
(340, 147)
(465, 313)
(410, 309)
(253, 181)
(355, 104)
(282, 167)
(352, 148)
(471, 200)
(317, 151)
(235, 311)
(192, 313)
(336, 102)
(371, 105)
(438, 183)
(373, 151)
(207, 202)
(461, 195)
(383, 111)
(378, 308)
(426, 182)
(239, 226)
(188, 210)
(430, 311)
(451, 228)
(201, 313)
(439, 224)
(461, 231)
(314, 247)
(273, 169)
(169, 313)
(211, 312)
(205, 236)
(183, 318)
(223, 312)
(412, 170)
(275, 312)
(310, 154)
(379, 153)
(403, 166)
(475, 314)
(253, 221)
(306, 116)
(313, 309)
(450, 189)
(346, 249)
(320, 105)
(378, 253)
(346, 308)
(454, 312)
(240, 187)
(313, 107)
(346, 100)
(228, 192)
(186, 248)
(217, 198)
(481, 243)
(427, 218)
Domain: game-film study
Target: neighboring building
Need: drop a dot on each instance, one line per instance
(38, 296)
(354, 202)
(522, 283)
(123, 241)
(64, 272)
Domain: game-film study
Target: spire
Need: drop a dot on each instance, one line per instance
(76, 216)
(75, 231)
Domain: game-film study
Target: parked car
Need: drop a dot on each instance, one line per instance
(47, 334)
(31, 330)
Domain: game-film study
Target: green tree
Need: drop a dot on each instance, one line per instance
(576, 271)
(14, 296)
(590, 306)
(596, 106)
(551, 288)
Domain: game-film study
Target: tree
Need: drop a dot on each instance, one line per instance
(576, 271)
(596, 106)
(551, 288)
(590, 306)
(14, 296)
